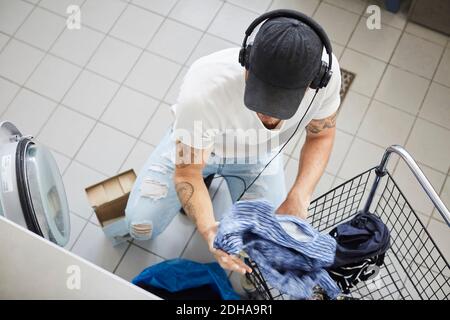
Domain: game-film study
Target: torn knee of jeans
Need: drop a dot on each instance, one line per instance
(142, 230)
(153, 189)
(159, 168)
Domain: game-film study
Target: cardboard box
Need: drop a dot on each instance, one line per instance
(109, 198)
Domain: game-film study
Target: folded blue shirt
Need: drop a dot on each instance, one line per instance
(291, 255)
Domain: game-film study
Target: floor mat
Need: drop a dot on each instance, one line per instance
(347, 79)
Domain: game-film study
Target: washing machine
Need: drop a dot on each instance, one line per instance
(32, 192)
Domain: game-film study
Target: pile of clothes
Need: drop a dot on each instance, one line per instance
(291, 255)
(294, 258)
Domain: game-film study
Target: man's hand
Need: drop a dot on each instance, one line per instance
(226, 261)
(294, 205)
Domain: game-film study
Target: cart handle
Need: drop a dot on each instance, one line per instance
(426, 185)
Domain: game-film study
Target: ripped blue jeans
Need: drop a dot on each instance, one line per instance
(153, 201)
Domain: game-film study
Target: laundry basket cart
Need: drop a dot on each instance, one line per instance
(414, 267)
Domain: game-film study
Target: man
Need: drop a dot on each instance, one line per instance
(231, 122)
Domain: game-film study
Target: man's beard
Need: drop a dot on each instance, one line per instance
(269, 122)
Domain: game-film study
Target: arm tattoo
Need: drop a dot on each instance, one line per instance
(185, 190)
(317, 126)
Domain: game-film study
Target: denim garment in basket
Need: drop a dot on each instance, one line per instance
(291, 255)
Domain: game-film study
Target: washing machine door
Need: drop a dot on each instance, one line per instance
(42, 193)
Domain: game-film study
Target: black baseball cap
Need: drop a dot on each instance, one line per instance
(285, 57)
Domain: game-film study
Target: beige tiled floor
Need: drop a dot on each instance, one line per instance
(73, 90)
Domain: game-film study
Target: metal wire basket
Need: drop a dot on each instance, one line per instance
(414, 267)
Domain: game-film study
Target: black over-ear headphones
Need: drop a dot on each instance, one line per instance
(323, 76)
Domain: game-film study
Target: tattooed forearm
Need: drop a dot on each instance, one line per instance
(317, 126)
(189, 186)
(185, 190)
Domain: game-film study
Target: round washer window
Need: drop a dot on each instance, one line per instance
(47, 194)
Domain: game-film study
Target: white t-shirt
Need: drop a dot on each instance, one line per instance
(210, 110)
